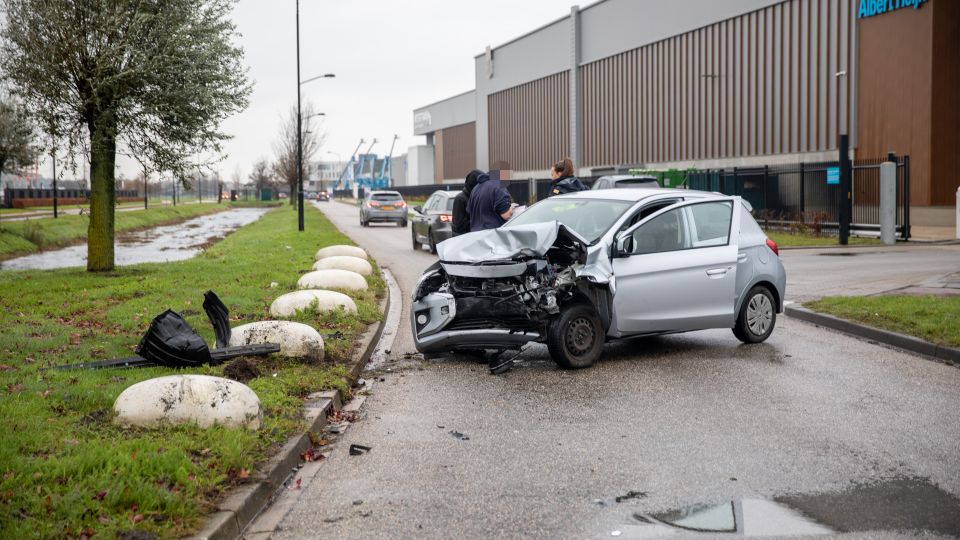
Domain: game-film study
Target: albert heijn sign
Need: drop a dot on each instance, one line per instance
(869, 8)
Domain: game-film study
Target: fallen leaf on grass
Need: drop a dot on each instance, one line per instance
(99, 496)
(4, 367)
(103, 519)
(71, 442)
(137, 518)
(14, 388)
(46, 392)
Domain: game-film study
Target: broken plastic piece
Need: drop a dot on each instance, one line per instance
(171, 342)
(219, 317)
(358, 449)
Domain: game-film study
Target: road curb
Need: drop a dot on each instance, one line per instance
(241, 506)
(944, 354)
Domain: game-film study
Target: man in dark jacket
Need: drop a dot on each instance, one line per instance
(461, 219)
(489, 205)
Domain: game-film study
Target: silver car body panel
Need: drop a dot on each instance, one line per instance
(501, 270)
(648, 290)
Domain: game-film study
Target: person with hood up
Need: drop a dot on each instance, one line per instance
(489, 205)
(562, 178)
(461, 219)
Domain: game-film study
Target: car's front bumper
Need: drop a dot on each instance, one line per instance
(432, 314)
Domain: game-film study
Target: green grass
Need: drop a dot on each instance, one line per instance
(933, 318)
(788, 239)
(65, 468)
(31, 235)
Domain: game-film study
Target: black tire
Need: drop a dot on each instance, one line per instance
(417, 246)
(575, 338)
(433, 243)
(403, 223)
(757, 317)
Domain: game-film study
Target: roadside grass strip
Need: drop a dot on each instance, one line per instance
(788, 239)
(932, 318)
(32, 235)
(65, 469)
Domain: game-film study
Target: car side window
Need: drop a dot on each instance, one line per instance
(666, 232)
(710, 223)
(431, 202)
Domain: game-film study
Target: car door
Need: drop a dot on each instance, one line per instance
(677, 270)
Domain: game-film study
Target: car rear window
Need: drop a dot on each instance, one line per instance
(629, 182)
(449, 204)
(386, 197)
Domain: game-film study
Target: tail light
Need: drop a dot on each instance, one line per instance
(446, 218)
(402, 204)
(773, 247)
(371, 204)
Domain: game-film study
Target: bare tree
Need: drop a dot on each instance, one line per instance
(285, 147)
(155, 77)
(260, 176)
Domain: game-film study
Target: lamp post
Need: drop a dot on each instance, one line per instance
(300, 127)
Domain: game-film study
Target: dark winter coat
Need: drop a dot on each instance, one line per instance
(566, 184)
(487, 202)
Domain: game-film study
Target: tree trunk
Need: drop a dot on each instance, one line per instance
(103, 155)
(293, 194)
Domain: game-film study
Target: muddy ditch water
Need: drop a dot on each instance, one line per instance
(159, 244)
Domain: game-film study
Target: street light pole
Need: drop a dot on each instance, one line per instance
(299, 134)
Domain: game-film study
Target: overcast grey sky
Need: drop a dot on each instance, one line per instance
(389, 57)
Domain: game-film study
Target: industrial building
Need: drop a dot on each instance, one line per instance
(709, 84)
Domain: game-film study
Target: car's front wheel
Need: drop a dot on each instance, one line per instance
(433, 243)
(757, 317)
(575, 338)
(416, 243)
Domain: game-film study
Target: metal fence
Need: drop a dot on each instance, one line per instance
(10, 195)
(799, 195)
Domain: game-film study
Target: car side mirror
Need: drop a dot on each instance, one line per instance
(623, 245)
(418, 209)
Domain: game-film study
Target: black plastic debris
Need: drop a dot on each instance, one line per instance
(358, 449)
(170, 341)
(458, 435)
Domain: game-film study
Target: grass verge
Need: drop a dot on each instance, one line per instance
(65, 469)
(933, 318)
(787, 239)
(31, 235)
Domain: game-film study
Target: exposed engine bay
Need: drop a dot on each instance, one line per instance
(500, 288)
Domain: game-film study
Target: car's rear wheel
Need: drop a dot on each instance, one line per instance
(575, 338)
(403, 223)
(433, 243)
(757, 317)
(416, 243)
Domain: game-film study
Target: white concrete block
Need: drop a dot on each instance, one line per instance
(350, 251)
(332, 279)
(189, 399)
(345, 262)
(288, 304)
(296, 340)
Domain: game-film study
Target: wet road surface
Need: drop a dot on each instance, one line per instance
(666, 424)
(159, 244)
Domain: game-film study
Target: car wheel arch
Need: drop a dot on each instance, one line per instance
(767, 284)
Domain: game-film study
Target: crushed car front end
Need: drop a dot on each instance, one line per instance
(496, 289)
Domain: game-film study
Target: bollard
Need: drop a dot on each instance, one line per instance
(888, 203)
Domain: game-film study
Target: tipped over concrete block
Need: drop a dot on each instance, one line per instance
(289, 304)
(333, 251)
(332, 279)
(189, 399)
(345, 262)
(296, 340)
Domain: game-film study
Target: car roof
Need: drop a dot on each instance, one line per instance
(636, 194)
(445, 193)
(619, 177)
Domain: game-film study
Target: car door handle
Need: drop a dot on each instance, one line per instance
(717, 272)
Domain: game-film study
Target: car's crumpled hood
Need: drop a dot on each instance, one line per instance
(505, 243)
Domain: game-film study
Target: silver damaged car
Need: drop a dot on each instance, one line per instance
(576, 270)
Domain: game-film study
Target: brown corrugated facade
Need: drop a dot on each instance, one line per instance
(747, 86)
(530, 124)
(455, 151)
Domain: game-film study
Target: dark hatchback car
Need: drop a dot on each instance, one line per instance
(432, 223)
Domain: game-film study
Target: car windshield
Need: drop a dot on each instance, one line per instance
(629, 182)
(589, 218)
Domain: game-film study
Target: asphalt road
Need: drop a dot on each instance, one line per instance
(679, 420)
